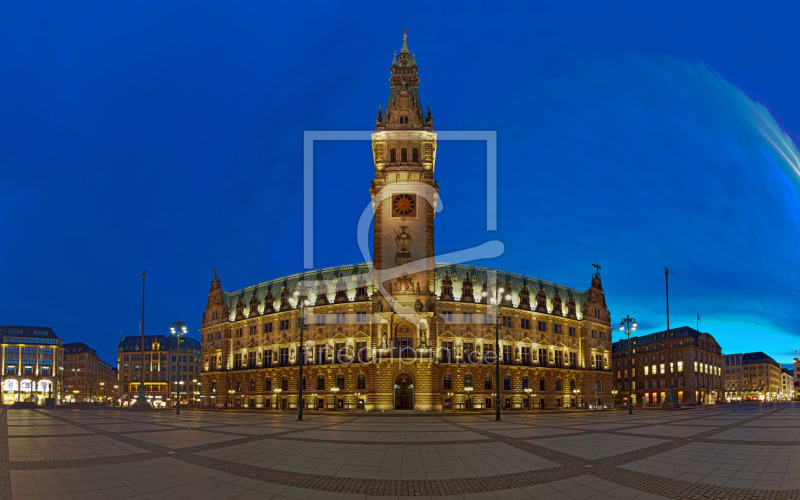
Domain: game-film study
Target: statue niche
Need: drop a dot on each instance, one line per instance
(403, 241)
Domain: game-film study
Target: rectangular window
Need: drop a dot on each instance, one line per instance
(558, 359)
(284, 324)
(469, 348)
(542, 326)
(506, 320)
(341, 318)
(321, 354)
(662, 369)
(320, 319)
(361, 350)
(542, 357)
(525, 323)
(573, 360)
(556, 328)
(598, 361)
(447, 352)
(467, 317)
(361, 317)
(525, 356)
(571, 331)
(447, 316)
(508, 354)
(646, 371)
(267, 327)
(284, 356)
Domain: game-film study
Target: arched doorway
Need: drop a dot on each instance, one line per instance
(403, 392)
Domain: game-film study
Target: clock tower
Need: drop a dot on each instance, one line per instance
(404, 195)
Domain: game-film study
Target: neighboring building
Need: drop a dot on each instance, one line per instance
(33, 362)
(696, 364)
(796, 373)
(87, 378)
(166, 364)
(404, 332)
(753, 376)
(787, 385)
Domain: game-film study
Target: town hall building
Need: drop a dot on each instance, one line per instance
(404, 331)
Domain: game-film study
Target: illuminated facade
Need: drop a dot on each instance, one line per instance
(696, 364)
(752, 376)
(33, 362)
(170, 370)
(405, 332)
(87, 378)
(787, 385)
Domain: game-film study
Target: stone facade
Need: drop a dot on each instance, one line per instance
(406, 332)
(752, 376)
(696, 364)
(87, 378)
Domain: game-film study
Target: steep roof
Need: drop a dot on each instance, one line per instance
(650, 338)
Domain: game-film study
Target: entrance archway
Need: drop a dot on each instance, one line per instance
(403, 392)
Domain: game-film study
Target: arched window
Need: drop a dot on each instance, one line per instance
(525, 382)
(404, 154)
(415, 155)
(321, 383)
(468, 380)
(361, 382)
(392, 154)
(507, 383)
(447, 382)
(572, 384)
(284, 384)
(340, 382)
(252, 384)
(487, 383)
(541, 384)
(214, 385)
(558, 385)
(268, 384)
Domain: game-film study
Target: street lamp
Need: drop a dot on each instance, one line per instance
(230, 396)
(178, 328)
(576, 392)
(614, 401)
(627, 325)
(301, 303)
(335, 391)
(115, 394)
(528, 392)
(498, 293)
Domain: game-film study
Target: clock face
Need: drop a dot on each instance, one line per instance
(404, 205)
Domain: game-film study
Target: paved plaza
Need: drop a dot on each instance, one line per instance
(726, 451)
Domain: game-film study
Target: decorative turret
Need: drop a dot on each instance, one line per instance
(525, 297)
(286, 304)
(322, 291)
(253, 305)
(216, 307)
(558, 310)
(341, 291)
(541, 299)
(505, 300)
(269, 302)
(484, 293)
(447, 287)
(240, 307)
(361, 288)
(404, 110)
(595, 309)
(466, 289)
(571, 309)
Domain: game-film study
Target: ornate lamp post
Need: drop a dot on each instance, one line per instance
(528, 392)
(614, 401)
(576, 392)
(627, 325)
(178, 328)
(230, 396)
(301, 351)
(498, 293)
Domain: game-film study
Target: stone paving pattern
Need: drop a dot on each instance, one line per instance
(725, 451)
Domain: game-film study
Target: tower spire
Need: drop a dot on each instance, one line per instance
(404, 50)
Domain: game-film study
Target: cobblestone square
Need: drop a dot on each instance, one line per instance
(725, 451)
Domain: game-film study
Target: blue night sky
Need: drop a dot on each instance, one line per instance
(167, 136)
